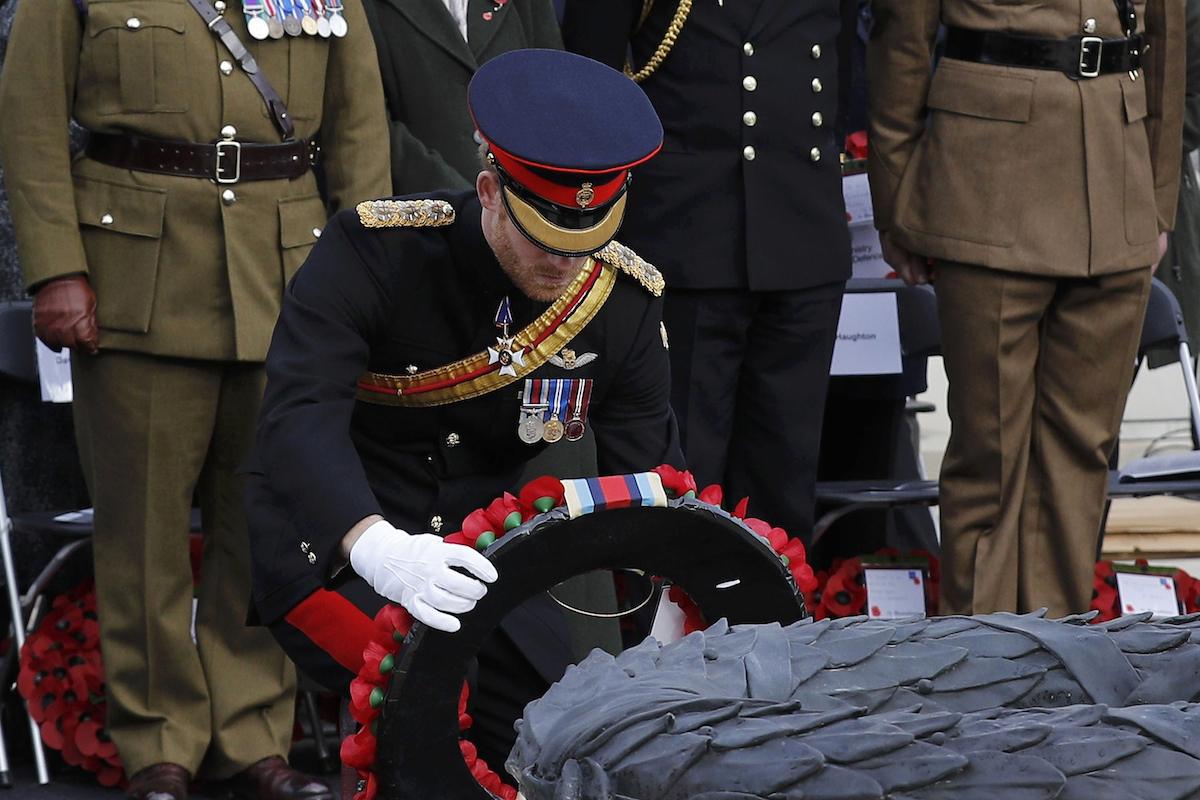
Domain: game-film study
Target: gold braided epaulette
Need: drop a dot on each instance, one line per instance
(425, 213)
(621, 257)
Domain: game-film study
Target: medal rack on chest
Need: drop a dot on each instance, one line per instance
(274, 18)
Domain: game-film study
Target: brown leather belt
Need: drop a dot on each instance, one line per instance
(222, 162)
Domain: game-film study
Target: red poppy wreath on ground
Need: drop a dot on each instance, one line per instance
(1107, 600)
(480, 529)
(841, 591)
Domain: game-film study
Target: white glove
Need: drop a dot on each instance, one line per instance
(415, 571)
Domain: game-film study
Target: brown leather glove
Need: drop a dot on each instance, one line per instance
(64, 314)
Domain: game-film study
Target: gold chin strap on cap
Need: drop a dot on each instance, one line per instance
(582, 242)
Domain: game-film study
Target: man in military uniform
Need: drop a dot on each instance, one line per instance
(413, 373)
(159, 256)
(1041, 185)
(743, 212)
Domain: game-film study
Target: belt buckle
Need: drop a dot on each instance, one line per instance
(1090, 49)
(228, 150)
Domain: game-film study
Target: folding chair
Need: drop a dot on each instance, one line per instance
(1175, 474)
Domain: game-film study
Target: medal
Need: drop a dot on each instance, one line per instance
(322, 21)
(291, 23)
(308, 22)
(531, 428)
(507, 353)
(575, 426)
(256, 26)
(554, 429)
(274, 26)
(337, 23)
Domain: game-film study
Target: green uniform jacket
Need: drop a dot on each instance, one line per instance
(426, 66)
(178, 268)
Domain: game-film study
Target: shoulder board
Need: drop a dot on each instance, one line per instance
(405, 213)
(618, 255)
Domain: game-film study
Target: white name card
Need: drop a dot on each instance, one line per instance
(1147, 592)
(54, 374)
(868, 335)
(894, 593)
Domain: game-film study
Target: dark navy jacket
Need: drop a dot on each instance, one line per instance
(384, 299)
(700, 210)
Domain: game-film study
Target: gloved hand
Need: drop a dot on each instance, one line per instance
(415, 571)
(64, 314)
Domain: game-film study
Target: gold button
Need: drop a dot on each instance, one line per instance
(228, 197)
(411, 369)
(226, 67)
(133, 23)
(228, 132)
(305, 547)
(312, 558)
(435, 524)
(316, 233)
(219, 6)
(749, 83)
(750, 118)
(1089, 26)
(748, 153)
(429, 459)
(107, 219)
(816, 84)
(815, 154)
(452, 440)
(816, 51)
(748, 49)
(818, 119)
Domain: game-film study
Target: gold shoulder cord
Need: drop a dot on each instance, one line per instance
(664, 47)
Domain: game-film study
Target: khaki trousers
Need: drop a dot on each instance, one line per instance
(1039, 369)
(151, 431)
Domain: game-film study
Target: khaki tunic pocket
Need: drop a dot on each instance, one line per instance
(134, 56)
(121, 227)
(961, 183)
(1141, 212)
(301, 220)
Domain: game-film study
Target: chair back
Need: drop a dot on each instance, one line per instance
(920, 333)
(17, 358)
(1163, 326)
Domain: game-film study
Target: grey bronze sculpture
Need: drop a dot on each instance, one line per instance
(996, 706)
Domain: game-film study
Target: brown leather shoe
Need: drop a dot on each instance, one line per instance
(274, 779)
(159, 782)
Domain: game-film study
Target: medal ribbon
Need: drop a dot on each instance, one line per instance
(562, 396)
(288, 9)
(580, 396)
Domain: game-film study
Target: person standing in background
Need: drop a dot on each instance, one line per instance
(159, 256)
(1041, 185)
(428, 51)
(743, 213)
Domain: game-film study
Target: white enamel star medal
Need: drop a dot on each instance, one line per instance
(506, 353)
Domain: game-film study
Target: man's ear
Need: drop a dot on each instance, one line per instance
(488, 187)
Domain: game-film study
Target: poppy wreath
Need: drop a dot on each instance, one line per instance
(480, 530)
(1107, 600)
(62, 680)
(841, 591)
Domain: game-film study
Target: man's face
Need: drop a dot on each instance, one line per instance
(538, 274)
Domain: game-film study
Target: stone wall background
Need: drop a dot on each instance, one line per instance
(38, 460)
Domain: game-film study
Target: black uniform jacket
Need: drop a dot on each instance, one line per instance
(707, 211)
(384, 299)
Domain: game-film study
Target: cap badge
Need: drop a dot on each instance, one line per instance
(585, 195)
(568, 359)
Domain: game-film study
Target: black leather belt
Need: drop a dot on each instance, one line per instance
(223, 162)
(1077, 57)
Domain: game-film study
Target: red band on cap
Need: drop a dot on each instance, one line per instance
(568, 196)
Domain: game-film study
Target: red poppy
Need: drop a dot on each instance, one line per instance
(537, 489)
(676, 482)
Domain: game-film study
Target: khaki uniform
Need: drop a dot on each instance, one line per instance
(1041, 198)
(189, 276)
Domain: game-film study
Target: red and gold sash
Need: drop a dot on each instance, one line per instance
(474, 376)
